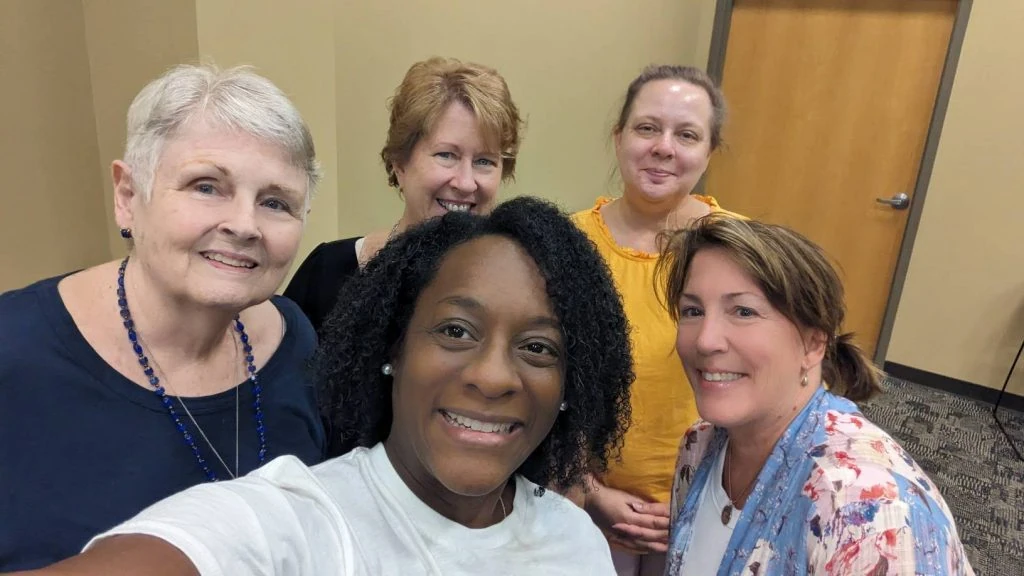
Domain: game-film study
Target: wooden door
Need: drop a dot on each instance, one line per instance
(830, 103)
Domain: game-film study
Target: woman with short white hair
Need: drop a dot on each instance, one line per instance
(132, 380)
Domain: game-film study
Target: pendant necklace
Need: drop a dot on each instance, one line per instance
(731, 505)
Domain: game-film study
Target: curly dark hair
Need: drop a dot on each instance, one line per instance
(375, 307)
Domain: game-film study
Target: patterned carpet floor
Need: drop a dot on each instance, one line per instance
(957, 442)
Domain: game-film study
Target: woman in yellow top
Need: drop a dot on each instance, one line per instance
(670, 123)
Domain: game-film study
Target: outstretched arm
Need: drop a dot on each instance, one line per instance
(277, 520)
(130, 554)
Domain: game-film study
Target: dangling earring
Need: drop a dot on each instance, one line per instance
(803, 381)
(563, 407)
(386, 369)
(126, 233)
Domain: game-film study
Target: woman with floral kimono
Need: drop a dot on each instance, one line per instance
(783, 475)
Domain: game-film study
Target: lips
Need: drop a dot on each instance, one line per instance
(658, 173)
(234, 260)
(720, 376)
(718, 380)
(455, 205)
(486, 425)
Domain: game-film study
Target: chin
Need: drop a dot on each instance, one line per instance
(472, 477)
(721, 414)
(720, 421)
(236, 300)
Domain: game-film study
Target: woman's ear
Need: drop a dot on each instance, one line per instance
(395, 353)
(815, 344)
(398, 169)
(124, 194)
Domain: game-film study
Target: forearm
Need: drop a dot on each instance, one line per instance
(131, 554)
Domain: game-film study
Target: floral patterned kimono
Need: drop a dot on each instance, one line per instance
(837, 496)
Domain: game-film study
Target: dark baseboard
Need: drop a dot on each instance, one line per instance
(961, 387)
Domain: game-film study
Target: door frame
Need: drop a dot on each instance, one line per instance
(716, 66)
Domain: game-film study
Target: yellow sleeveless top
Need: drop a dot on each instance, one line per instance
(662, 401)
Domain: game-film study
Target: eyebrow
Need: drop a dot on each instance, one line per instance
(461, 302)
(546, 322)
(445, 143)
(283, 190)
(729, 296)
(207, 163)
(474, 305)
(685, 123)
(273, 188)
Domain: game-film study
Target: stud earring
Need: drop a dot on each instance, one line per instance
(563, 407)
(126, 233)
(387, 369)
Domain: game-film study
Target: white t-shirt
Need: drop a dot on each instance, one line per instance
(710, 536)
(354, 515)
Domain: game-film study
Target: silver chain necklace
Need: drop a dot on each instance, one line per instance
(199, 428)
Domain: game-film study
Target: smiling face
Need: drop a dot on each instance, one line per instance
(478, 380)
(744, 359)
(452, 168)
(665, 144)
(224, 218)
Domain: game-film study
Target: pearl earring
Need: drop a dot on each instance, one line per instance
(803, 382)
(387, 369)
(563, 407)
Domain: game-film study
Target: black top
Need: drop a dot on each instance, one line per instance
(82, 448)
(316, 283)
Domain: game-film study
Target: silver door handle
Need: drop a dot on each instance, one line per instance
(898, 202)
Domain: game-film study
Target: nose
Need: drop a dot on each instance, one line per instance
(710, 336)
(663, 146)
(241, 220)
(492, 372)
(463, 178)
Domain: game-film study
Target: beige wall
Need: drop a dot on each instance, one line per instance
(130, 43)
(70, 69)
(567, 64)
(51, 205)
(292, 43)
(961, 313)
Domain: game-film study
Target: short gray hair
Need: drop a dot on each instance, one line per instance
(236, 98)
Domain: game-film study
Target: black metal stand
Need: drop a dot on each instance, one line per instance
(995, 409)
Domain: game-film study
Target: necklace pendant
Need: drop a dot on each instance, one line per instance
(726, 514)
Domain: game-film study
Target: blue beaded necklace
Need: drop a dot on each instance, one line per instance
(133, 339)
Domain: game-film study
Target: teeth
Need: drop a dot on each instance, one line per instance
(229, 261)
(721, 376)
(477, 425)
(454, 206)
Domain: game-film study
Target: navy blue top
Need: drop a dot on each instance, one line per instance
(82, 448)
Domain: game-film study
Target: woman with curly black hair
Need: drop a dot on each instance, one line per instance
(476, 360)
